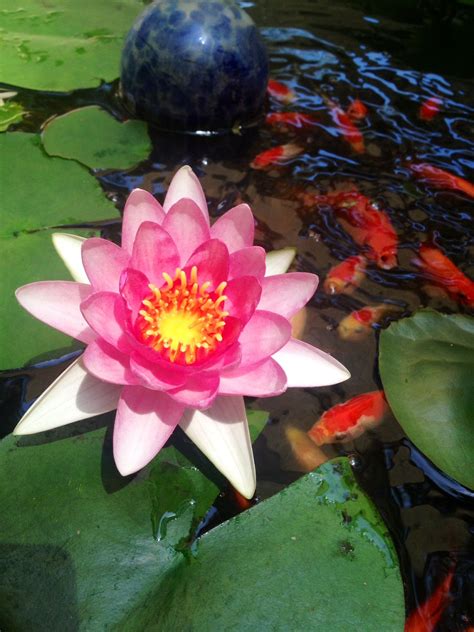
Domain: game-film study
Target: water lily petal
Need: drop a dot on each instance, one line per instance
(108, 364)
(57, 303)
(186, 224)
(185, 184)
(286, 294)
(243, 295)
(263, 380)
(154, 252)
(134, 287)
(105, 313)
(235, 228)
(73, 396)
(278, 261)
(222, 434)
(103, 262)
(69, 248)
(247, 261)
(156, 376)
(306, 365)
(262, 336)
(199, 391)
(140, 207)
(145, 420)
(212, 261)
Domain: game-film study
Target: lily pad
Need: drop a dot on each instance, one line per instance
(38, 192)
(71, 527)
(427, 367)
(65, 44)
(10, 112)
(110, 144)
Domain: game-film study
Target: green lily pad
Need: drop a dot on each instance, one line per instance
(10, 112)
(110, 144)
(63, 45)
(72, 528)
(38, 192)
(427, 367)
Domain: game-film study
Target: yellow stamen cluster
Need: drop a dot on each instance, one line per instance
(183, 320)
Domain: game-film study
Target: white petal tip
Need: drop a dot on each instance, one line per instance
(278, 261)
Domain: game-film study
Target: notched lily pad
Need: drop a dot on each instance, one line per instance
(110, 144)
(38, 192)
(427, 367)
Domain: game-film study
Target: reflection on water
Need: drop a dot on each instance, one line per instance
(334, 51)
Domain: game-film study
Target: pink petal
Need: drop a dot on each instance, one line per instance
(185, 184)
(140, 207)
(57, 303)
(235, 228)
(212, 261)
(187, 226)
(263, 380)
(243, 295)
(247, 262)
(154, 252)
(105, 313)
(262, 336)
(108, 364)
(134, 287)
(199, 391)
(145, 420)
(103, 262)
(155, 376)
(306, 365)
(286, 294)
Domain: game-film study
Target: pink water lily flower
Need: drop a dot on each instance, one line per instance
(180, 323)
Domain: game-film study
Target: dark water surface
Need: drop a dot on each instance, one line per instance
(392, 62)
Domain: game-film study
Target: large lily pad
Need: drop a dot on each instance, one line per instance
(427, 367)
(38, 192)
(63, 45)
(316, 556)
(110, 144)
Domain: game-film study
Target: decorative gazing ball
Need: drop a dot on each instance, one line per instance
(194, 65)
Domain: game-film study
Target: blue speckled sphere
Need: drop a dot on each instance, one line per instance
(194, 65)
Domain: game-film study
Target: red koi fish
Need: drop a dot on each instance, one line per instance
(350, 419)
(280, 91)
(307, 455)
(429, 108)
(443, 272)
(358, 324)
(346, 127)
(426, 617)
(357, 111)
(441, 179)
(275, 156)
(299, 120)
(344, 277)
(368, 226)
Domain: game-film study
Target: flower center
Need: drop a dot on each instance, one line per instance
(183, 320)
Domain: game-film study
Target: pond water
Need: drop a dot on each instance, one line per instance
(392, 60)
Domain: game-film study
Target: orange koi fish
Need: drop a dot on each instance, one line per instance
(358, 324)
(366, 224)
(426, 617)
(307, 455)
(357, 111)
(275, 156)
(441, 179)
(280, 91)
(299, 120)
(350, 419)
(345, 276)
(346, 127)
(430, 108)
(443, 272)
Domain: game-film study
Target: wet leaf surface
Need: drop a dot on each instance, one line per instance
(427, 363)
(111, 144)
